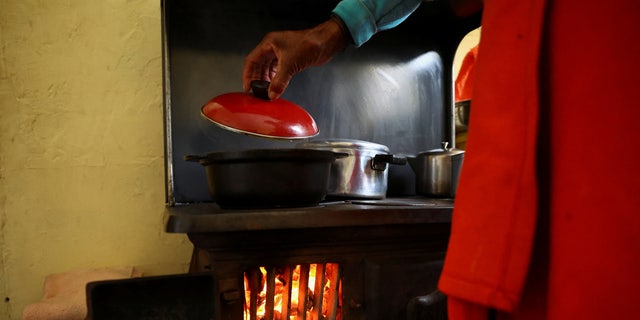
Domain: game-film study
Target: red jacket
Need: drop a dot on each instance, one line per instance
(552, 141)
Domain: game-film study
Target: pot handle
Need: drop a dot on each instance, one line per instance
(340, 155)
(379, 162)
(193, 158)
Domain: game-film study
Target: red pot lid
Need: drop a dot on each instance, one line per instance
(246, 113)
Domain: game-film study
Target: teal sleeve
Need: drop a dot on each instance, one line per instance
(364, 18)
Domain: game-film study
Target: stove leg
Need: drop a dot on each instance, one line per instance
(200, 261)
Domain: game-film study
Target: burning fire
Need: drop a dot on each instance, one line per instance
(274, 293)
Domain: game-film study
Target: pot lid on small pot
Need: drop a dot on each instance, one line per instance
(344, 144)
(255, 114)
(445, 151)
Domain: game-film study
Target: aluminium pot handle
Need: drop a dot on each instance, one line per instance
(379, 162)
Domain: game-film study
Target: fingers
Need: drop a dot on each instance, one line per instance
(282, 54)
(273, 69)
(263, 63)
(257, 65)
(280, 80)
(278, 85)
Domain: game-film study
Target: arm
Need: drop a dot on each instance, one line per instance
(282, 54)
(364, 18)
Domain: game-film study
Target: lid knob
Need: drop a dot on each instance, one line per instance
(260, 89)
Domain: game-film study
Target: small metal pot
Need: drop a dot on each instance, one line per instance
(363, 173)
(437, 171)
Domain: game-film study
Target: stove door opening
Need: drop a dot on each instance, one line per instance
(301, 292)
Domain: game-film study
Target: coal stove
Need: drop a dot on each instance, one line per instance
(353, 259)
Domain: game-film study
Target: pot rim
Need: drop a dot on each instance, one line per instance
(345, 144)
(441, 151)
(262, 155)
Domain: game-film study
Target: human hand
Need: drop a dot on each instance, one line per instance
(282, 54)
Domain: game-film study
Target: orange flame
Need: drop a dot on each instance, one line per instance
(281, 295)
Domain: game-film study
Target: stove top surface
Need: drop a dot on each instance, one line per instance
(208, 217)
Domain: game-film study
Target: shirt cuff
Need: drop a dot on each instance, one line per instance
(358, 19)
(343, 27)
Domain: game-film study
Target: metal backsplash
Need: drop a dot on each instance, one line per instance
(394, 90)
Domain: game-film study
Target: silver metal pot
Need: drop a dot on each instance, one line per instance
(363, 173)
(437, 171)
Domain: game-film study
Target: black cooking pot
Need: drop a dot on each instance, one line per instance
(266, 178)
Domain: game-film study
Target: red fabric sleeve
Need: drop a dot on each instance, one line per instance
(464, 80)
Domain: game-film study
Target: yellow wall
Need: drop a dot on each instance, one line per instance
(81, 143)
